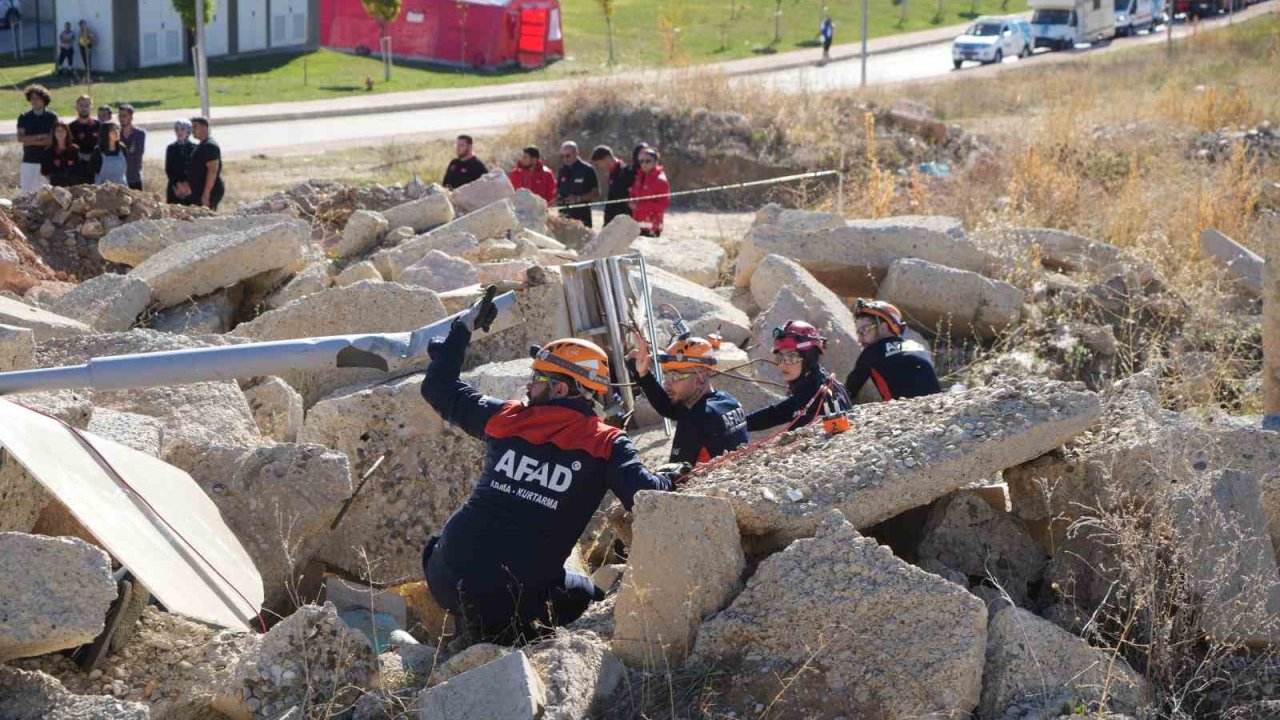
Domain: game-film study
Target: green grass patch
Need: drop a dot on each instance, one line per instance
(647, 33)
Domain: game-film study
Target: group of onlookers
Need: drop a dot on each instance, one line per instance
(99, 150)
(68, 39)
(639, 188)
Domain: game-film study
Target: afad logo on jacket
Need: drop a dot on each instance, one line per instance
(524, 469)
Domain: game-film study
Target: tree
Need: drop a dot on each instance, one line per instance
(607, 6)
(384, 11)
(186, 10)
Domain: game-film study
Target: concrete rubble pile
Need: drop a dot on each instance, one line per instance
(912, 566)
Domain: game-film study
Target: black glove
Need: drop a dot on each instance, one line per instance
(434, 345)
(674, 471)
(483, 312)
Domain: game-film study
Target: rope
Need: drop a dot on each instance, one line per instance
(701, 191)
(115, 475)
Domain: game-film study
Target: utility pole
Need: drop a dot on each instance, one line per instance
(202, 64)
(864, 44)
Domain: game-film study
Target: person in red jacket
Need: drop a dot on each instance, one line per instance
(650, 180)
(531, 174)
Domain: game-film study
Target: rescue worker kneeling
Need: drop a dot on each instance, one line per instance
(898, 366)
(709, 422)
(499, 563)
(798, 347)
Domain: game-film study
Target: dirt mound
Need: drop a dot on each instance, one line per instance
(327, 205)
(21, 268)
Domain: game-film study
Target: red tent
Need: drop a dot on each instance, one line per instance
(470, 33)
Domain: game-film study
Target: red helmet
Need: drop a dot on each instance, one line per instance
(797, 335)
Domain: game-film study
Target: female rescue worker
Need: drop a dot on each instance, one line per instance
(797, 346)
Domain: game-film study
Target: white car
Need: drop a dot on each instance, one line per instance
(1134, 15)
(990, 40)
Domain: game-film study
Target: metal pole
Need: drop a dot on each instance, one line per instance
(864, 44)
(202, 66)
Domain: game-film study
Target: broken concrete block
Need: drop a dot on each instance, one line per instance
(17, 348)
(201, 266)
(277, 408)
(820, 307)
(313, 278)
(426, 212)
(140, 432)
(37, 696)
(358, 272)
(366, 307)
(666, 595)
(440, 272)
(1060, 251)
(505, 689)
(57, 596)
(496, 220)
(509, 272)
(487, 189)
(852, 260)
(212, 314)
(965, 533)
(613, 239)
(108, 303)
(579, 673)
(693, 259)
(797, 220)
(361, 233)
(949, 300)
(429, 467)
(393, 263)
(702, 308)
(845, 628)
(1244, 265)
(44, 324)
(132, 243)
(1029, 656)
(905, 454)
(531, 211)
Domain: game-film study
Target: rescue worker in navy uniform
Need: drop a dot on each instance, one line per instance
(798, 347)
(898, 366)
(709, 422)
(499, 563)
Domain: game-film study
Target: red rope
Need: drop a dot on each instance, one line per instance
(115, 474)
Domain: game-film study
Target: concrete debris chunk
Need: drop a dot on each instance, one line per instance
(1030, 657)
(276, 407)
(1244, 265)
(131, 244)
(904, 454)
(496, 220)
(36, 696)
(140, 432)
(393, 263)
(212, 314)
(846, 628)
(201, 266)
(1059, 250)
(813, 302)
(44, 324)
(531, 211)
(312, 279)
(613, 239)
(510, 272)
(108, 303)
(56, 594)
(487, 189)
(965, 533)
(694, 259)
(440, 272)
(428, 211)
(704, 309)
(666, 595)
(361, 233)
(962, 303)
(505, 689)
(358, 272)
(17, 348)
(579, 672)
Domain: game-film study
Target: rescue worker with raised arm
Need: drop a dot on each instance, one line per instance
(798, 347)
(499, 563)
(709, 422)
(898, 366)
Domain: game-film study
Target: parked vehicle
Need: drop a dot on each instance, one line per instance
(1208, 8)
(1133, 16)
(990, 39)
(1063, 24)
(1160, 11)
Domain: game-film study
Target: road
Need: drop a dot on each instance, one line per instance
(927, 63)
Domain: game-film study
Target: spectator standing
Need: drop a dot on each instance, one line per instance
(110, 162)
(466, 167)
(621, 177)
(531, 174)
(650, 180)
(66, 50)
(84, 132)
(827, 32)
(62, 159)
(35, 134)
(86, 45)
(204, 169)
(576, 184)
(177, 191)
(134, 140)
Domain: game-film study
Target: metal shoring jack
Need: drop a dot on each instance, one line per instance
(834, 421)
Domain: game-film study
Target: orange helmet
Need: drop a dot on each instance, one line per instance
(688, 354)
(581, 360)
(882, 311)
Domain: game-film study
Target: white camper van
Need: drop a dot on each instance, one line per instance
(1061, 24)
(1134, 15)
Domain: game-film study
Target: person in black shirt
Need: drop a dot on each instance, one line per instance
(176, 157)
(621, 178)
(576, 183)
(204, 169)
(810, 387)
(35, 134)
(62, 159)
(709, 423)
(84, 132)
(466, 167)
(900, 367)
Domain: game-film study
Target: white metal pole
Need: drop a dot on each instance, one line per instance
(202, 66)
(864, 44)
